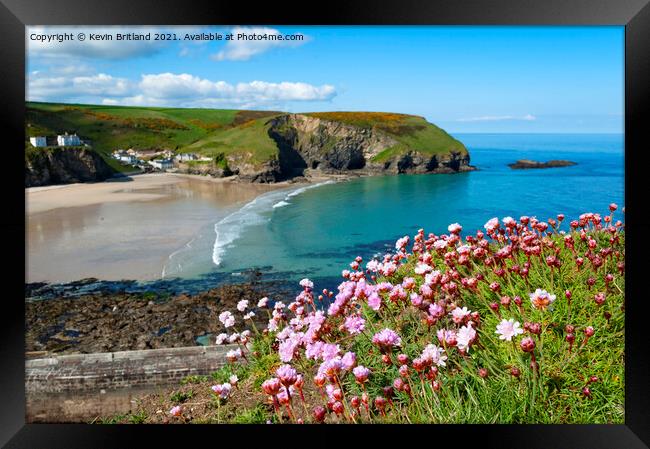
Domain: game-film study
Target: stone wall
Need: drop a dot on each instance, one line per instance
(120, 370)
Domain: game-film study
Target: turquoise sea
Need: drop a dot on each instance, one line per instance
(315, 231)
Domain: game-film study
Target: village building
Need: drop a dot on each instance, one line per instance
(38, 141)
(68, 140)
(183, 157)
(162, 164)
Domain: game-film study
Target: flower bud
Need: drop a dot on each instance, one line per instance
(589, 331)
(483, 373)
(403, 359)
(527, 344)
(514, 371)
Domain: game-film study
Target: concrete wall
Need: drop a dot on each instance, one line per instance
(120, 370)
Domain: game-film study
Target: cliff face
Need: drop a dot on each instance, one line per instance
(64, 166)
(306, 142)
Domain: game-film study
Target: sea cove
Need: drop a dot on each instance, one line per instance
(314, 230)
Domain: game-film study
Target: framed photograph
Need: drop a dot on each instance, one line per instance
(386, 214)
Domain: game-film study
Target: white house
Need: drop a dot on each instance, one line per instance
(38, 141)
(128, 159)
(162, 164)
(65, 140)
(186, 157)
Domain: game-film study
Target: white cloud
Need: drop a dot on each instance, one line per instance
(183, 88)
(169, 89)
(498, 118)
(42, 88)
(242, 49)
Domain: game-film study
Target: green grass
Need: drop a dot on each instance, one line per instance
(241, 136)
(412, 132)
(249, 141)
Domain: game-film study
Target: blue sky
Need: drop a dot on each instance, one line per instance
(464, 79)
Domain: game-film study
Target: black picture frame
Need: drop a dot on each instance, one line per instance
(633, 14)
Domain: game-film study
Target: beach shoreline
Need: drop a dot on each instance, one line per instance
(132, 228)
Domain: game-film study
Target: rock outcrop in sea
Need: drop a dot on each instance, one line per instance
(527, 163)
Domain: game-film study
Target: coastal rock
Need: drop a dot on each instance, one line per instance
(106, 321)
(527, 163)
(312, 143)
(63, 166)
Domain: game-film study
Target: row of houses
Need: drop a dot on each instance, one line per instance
(161, 160)
(62, 140)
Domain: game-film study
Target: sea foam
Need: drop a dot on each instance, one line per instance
(229, 228)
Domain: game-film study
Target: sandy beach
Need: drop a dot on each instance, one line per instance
(125, 228)
(145, 187)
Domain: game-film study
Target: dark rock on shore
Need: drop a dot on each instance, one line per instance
(527, 163)
(106, 322)
(63, 165)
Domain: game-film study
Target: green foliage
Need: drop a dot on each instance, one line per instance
(256, 415)
(181, 396)
(194, 380)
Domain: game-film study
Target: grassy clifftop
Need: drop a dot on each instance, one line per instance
(245, 138)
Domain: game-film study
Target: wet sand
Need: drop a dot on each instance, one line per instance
(123, 229)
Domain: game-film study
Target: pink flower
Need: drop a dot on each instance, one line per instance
(507, 329)
(176, 411)
(509, 222)
(361, 373)
(242, 305)
(287, 349)
(454, 228)
(329, 351)
(459, 315)
(434, 354)
(447, 336)
(374, 301)
(386, 339)
(306, 283)
(401, 244)
(466, 336)
(541, 299)
(221, 338)
(354, 324)
(271, 386)
(349, 360)
(234, 354)
(227, 319)
(223, 390)
(422, 268)
(287, 375)
(436, 310)
(262, 302)
(440, 244)
(492, 224)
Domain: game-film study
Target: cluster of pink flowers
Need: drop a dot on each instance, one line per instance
(429, 283)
